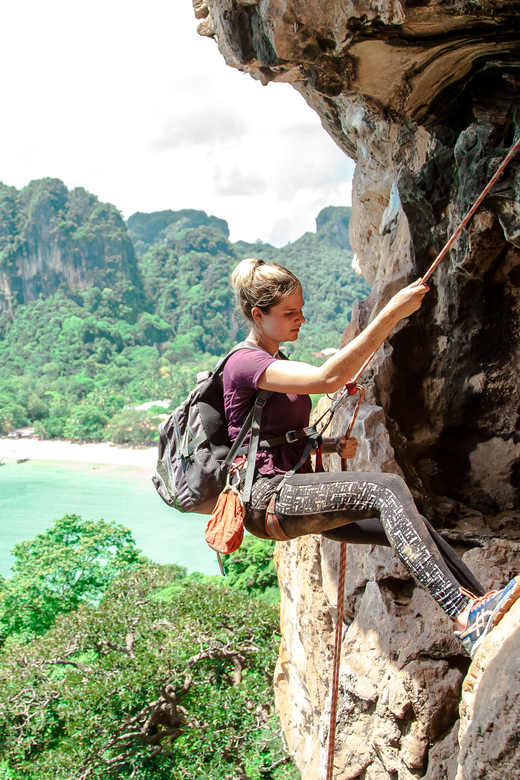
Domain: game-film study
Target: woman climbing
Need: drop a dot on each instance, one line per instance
(360, 508)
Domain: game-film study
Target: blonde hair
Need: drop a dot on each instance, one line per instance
(262, 285)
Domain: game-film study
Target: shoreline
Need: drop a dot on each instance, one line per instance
(95, 453)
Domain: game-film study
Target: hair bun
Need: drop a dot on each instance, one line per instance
(261, 285)
(244, 272)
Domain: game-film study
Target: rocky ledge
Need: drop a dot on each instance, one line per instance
(424, 96)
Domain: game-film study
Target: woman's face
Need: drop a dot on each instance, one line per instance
(283, 322)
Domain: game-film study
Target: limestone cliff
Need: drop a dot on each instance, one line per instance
(50, 236)
(424, 96)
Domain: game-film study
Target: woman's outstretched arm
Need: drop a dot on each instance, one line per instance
(284, 376)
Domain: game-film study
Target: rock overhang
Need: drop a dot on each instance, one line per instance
(403, 61)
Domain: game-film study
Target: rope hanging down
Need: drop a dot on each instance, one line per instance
(349, 389)
(341, 610)
(337, 655)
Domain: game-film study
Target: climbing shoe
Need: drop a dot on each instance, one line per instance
(485, 613)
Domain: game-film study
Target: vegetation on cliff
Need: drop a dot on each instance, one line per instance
(51, 236)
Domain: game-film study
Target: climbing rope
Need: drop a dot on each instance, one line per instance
(337, 657)
(361, 390)
(349, 389)
(451, 241)
(472, 210)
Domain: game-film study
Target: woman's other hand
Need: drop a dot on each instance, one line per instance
(346, 448)
(407, 300)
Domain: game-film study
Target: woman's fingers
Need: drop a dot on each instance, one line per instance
(346, 448)
(415, 289)
(409, 299)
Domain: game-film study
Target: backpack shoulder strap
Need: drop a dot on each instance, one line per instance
(257, 410)
(241, 345)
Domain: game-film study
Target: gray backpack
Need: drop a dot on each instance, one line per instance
(195, 453)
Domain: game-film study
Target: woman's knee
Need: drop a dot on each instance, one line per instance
(393, 482)
(254, 522)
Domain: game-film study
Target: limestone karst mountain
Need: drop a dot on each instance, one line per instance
(50, 236)
(425, 98)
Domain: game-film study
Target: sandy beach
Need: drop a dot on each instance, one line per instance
(95, 454)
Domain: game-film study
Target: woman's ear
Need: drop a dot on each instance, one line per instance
(257, 314)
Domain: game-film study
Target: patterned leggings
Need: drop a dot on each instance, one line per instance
(367, 509)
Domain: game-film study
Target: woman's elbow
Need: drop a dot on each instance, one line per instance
(328, 385)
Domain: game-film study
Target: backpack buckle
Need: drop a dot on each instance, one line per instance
(238, 465)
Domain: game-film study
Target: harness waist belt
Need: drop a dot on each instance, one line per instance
(287, 438)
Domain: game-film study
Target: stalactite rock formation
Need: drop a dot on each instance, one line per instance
(425, 98)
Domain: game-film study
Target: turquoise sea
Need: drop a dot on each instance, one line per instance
(34, 493)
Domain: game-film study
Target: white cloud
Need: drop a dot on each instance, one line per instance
(239, 182)
(128, 101)
(204, 125)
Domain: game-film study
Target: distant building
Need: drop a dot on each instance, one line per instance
(21, 433)
(326, 353)
(148, 405)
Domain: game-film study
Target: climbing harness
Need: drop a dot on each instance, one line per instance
(349, 389)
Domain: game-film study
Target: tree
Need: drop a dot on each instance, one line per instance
(132, 425)
(12, 416)
(167, 678)
(73, 562)
(251, 569)
(86, 422)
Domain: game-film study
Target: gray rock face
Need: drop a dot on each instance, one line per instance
(425, 98)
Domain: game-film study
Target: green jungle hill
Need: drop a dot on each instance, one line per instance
(99, 316)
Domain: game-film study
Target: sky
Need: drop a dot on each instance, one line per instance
(125, 99)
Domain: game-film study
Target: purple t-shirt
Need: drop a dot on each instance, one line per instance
(282, 412)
